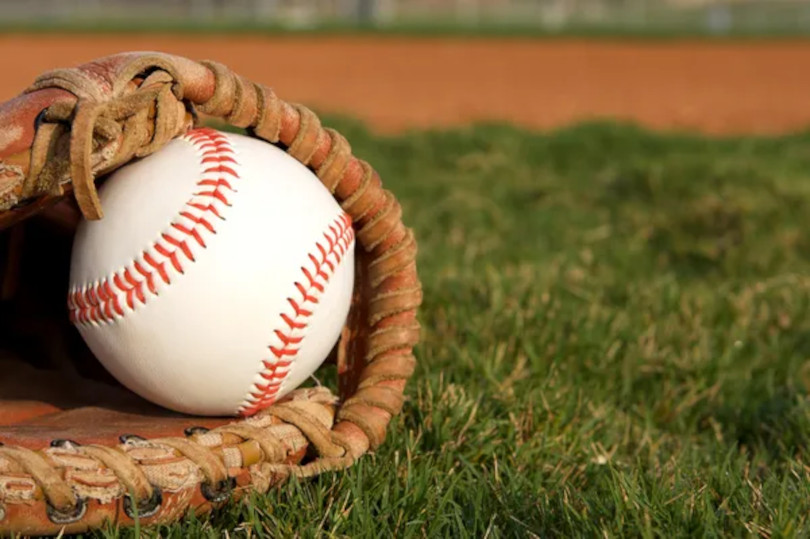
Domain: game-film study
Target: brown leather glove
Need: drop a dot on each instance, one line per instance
(78, 449)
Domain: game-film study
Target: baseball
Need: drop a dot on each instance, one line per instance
(218, 280)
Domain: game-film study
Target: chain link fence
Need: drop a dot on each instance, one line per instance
(708, 16)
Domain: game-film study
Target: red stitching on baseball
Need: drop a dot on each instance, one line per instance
(263, 395)
(99, 303)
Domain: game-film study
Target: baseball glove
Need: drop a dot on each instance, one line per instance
(77, 449)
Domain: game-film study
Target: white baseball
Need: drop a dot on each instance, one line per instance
(219, 278)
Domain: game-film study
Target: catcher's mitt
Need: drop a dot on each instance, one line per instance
(78, 449)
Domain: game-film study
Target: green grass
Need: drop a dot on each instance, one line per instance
(685, 26)
(643, 20)
(616, 343)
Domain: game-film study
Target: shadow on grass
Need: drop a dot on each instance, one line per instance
(777, 425)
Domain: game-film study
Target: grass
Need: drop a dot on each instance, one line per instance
(689, 25)
(752, 19)
(616, 343)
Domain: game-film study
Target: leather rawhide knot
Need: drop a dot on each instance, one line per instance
(130, 476)
(81, 146)
(59, 495)
(272, 448)
(319, 435)
(211, 467)
(103, 135)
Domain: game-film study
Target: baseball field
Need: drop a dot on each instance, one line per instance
(394, 83)
(613, 244)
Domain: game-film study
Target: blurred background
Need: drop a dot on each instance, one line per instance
(711, 66)
(706, 16)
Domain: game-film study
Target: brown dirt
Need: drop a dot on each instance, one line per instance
(396, 83)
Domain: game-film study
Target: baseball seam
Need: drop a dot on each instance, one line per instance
(100, 302)
(324, 264)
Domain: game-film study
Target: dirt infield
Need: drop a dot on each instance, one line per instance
(396, 83)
